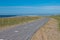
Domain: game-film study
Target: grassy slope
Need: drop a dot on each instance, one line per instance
(15, 20)
(58, 18)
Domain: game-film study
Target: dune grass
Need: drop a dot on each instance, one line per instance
(58, 18)
(15, 20)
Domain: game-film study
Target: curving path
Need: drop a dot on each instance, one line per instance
(23, 32)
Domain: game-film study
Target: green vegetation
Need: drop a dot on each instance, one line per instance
(15, 20)
(58, 18)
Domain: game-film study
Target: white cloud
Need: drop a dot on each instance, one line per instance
(30, 9)
(51, 7)
(16, 7)
(36, 7)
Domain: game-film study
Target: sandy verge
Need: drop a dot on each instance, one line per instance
(48, 31)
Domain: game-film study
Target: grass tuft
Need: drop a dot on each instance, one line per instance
(15, 20)
(58, 18)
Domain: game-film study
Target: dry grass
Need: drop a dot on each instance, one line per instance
(48, 31)
(57, 17)
(7, 23)
(15, 20)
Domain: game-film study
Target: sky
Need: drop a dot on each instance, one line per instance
(8, 7)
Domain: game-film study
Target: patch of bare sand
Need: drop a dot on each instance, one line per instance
(48, 31)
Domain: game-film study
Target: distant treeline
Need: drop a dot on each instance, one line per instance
(7, 16)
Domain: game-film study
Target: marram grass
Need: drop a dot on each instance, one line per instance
(15, 20)
(57, 17)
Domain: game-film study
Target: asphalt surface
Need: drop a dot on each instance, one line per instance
(23, 32)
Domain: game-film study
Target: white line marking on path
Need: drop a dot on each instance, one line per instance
(1, 39)
(16, 31)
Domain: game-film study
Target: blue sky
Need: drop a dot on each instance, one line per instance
(29, 7)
